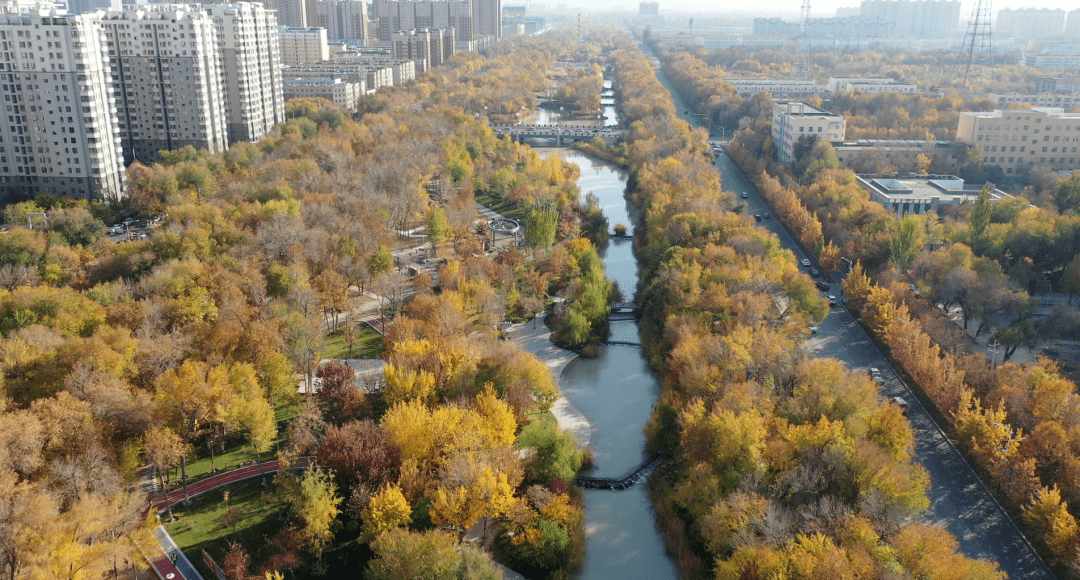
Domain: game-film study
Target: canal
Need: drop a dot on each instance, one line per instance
(616, 391)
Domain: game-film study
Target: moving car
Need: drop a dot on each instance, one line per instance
(832, 300)
(757, 217)
(766, 216)
(902, 403)
(745, 195)
(814, 273)
(822, 285)
(805, 262)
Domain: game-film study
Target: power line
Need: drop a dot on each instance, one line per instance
(978, 36)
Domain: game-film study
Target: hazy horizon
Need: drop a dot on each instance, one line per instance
(770, 8)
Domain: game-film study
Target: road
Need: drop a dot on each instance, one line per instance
(959, 501)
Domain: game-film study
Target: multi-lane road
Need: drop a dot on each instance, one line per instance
(958, 499)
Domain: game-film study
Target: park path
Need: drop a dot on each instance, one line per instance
(162, 501)
(535, 337)
(168, 560)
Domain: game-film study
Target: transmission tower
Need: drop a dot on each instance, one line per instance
(977, 39)
(800, 65)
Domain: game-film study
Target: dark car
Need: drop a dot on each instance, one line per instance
(814, 273)
(757, 217)
(766, 216)
(823, 286)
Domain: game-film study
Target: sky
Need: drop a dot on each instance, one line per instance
(768, 8)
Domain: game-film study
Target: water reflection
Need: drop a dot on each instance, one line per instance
(616, 391)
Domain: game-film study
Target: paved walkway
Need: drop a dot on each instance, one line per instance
(535, 337)
(162, 560)
(161, 502)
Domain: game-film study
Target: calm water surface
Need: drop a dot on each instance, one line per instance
(616, 391)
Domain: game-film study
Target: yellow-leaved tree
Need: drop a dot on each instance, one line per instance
(387, 510)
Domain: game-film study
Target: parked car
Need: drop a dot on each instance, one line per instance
(814, 273)
(757, 217)
(805, 262)
(832, 300)
(902, 403)
(745, 195)
(765, 216)
(813, 330)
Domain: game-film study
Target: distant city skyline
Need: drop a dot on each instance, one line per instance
(819, 8)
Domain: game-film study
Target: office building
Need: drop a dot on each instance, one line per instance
(898, 155)
(1030, 23)
(918, 18)
(59, 133)
(792, 121)
(166, 79)
(303, 45)
(871, 85)
(392, 16)
(918, 194)
(1012, 139)
(343, 19)
(247, 37)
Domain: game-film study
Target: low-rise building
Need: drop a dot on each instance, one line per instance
(898, 155)
(918, 194)
(794, 120)
(1012, 139)
(1065, 101)
(779, 88)
(871, 85)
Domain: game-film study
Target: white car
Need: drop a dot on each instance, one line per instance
(832, 300)
(745, 195)
(805, 262)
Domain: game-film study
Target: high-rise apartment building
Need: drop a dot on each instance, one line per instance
(1072, 25)
(394, 16)
(487, 18)
(1030, 23)
(291, 13)
(427, 47)
(918, 18)
(247, 37)
(1015, 138)
(59, 132)
(343, 19)
(794, 120)
(166, 79)
(303, 45)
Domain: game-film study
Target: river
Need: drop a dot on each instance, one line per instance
(616, 391)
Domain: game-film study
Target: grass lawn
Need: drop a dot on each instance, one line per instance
(501, 207)
(368, 344)
(236, 450)
(202, 526)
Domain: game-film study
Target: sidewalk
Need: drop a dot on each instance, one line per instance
(535, 337)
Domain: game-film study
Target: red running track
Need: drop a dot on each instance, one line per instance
(162, 502)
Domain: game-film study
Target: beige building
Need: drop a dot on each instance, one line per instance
(898, 155)
(343, 93)
(918, 194)
(59, 133)
(343, 19)
(166, 79)
(247, 36)
(303, 45)
(1012, 139)
(1064, 101)
(871, 85)
(792, 121)
(779, 88)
